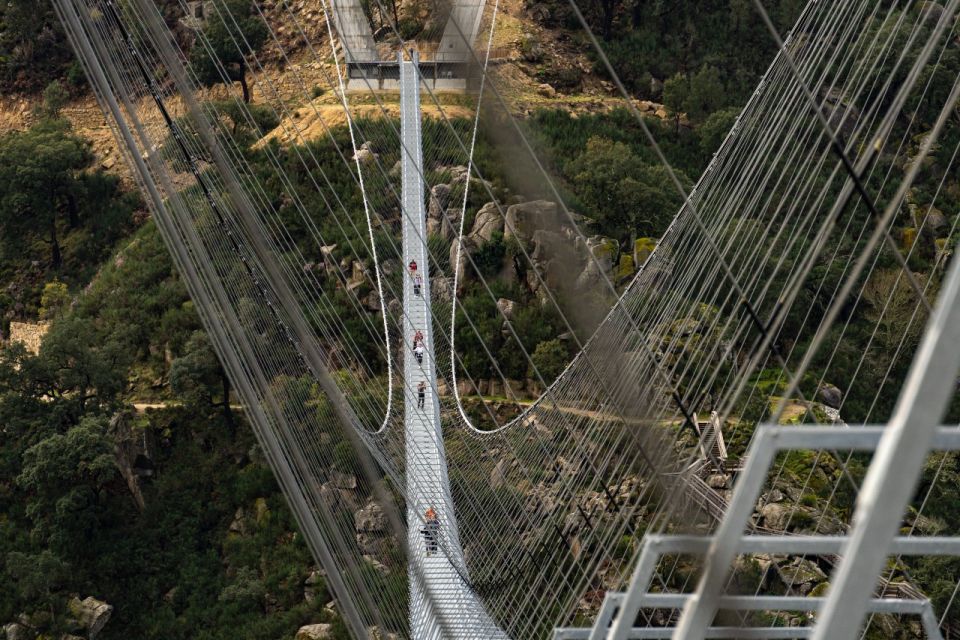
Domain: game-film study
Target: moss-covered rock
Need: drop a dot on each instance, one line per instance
(642, 248)
(908, 238)
(625, 269)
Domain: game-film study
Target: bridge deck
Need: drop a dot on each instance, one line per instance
(442, 604)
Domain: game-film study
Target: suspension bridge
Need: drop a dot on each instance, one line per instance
(574, 516)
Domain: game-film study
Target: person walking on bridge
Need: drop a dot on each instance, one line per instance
(431, 531)
(421, 394)
(417, 284)
(418, 352)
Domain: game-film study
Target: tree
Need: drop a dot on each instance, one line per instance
(55, 98)
(198, 379)
(54, 298)
(37, 577)
(33, 49)
(63, 476)
(715, 128)
(40, 169)
(697, 96)
(621, 192)
(676, 96)
(231, 34)
(75, 372)
(550, 358)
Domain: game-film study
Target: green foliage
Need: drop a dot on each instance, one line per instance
(648, 42)
(715, 128)
(697, 96)
(550, 358)
(488, 259)
(55, 209)
(33, 48)
(64, 476)
(55, 98)
(229, 33)
(54, 298)
(621, 192)
(41, 171)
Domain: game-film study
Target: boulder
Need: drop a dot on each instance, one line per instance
(376, 633)
(843, 116)
(90, 613)
(439, 199)
(605, 251)
(311, 585)
(546, 90)
(357, 275)
(371, 301)
(466, 245)
(506, 307)
(830, 395)
(499, 474)
(935, 220)
(525, 218)
(775, 515)
(718, 481)
(487, 222)
(931, 11)
(441, 289)
(365, 154)
(343, 480)
(370, 519)
(241, 523)
(514, 389)
(368, 544)
(800, 574)
(547, 244)
(314, 632)
(334, 496)
(376, 564)
(17, 631)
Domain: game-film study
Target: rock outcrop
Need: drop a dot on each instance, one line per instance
(91, 614)
(314, 632)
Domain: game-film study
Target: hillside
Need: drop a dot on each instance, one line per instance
(135, 501)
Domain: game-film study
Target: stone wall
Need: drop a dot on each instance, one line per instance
(30, 334)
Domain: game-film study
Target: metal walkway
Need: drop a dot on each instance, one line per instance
(442, 604)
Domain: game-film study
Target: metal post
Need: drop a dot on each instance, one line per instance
(892, 477)
(702, 606)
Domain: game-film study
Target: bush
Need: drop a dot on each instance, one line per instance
(564, 79)
(488, 259)
(550, 358)
(54, 299)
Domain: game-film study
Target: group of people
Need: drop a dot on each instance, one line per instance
(431, 525)
(418, 346)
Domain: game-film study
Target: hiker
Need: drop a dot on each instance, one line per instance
(417, 338)
(413, 267)
(421, 394)
(418, 352)
(431, 531)
(417, 283)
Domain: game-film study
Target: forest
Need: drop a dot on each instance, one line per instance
(195, 540)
